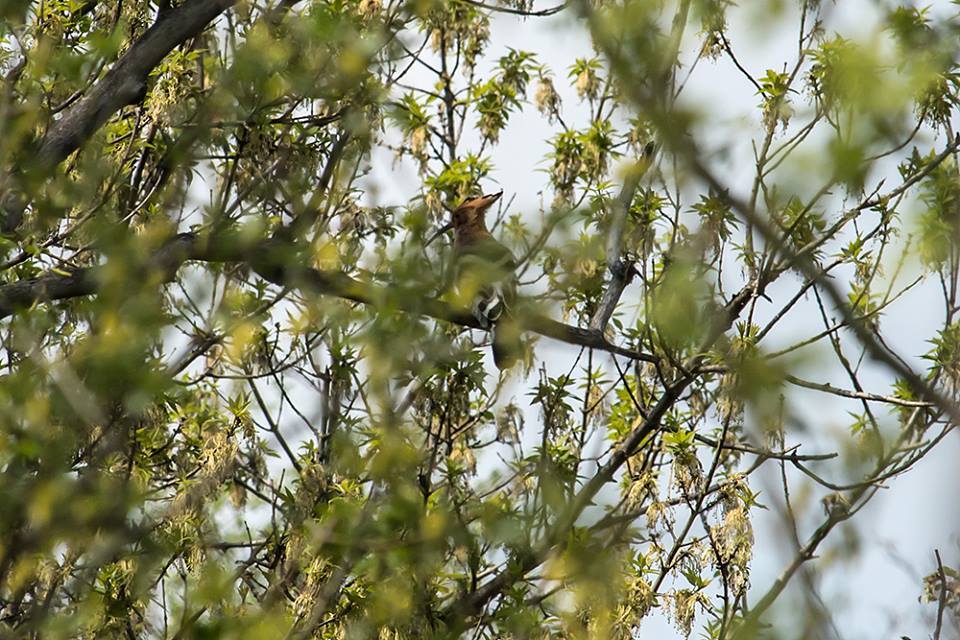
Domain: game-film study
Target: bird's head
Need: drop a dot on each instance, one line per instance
(471, 211)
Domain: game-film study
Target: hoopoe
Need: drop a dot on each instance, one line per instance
(485, 272)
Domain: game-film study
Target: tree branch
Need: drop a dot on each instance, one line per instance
(472, 603)
(279, 261)
(123, 84)
(127, 79)
(858, 395)
(621, 270)
(518, 12)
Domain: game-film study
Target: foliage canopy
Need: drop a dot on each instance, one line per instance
(239, 399)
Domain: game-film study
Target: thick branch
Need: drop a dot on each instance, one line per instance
(127, 79)
(123, 84)
(280, 262)
(86, 281)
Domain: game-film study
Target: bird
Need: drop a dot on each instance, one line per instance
(485, 274)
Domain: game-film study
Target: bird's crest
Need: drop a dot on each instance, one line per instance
(473, 208)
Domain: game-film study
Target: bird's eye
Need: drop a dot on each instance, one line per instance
(469, 198)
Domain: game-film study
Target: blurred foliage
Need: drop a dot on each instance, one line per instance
(239, 400)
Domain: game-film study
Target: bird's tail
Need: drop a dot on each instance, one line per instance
(507, 346)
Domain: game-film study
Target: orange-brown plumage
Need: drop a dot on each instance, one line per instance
(469, 221)
(487, 267)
